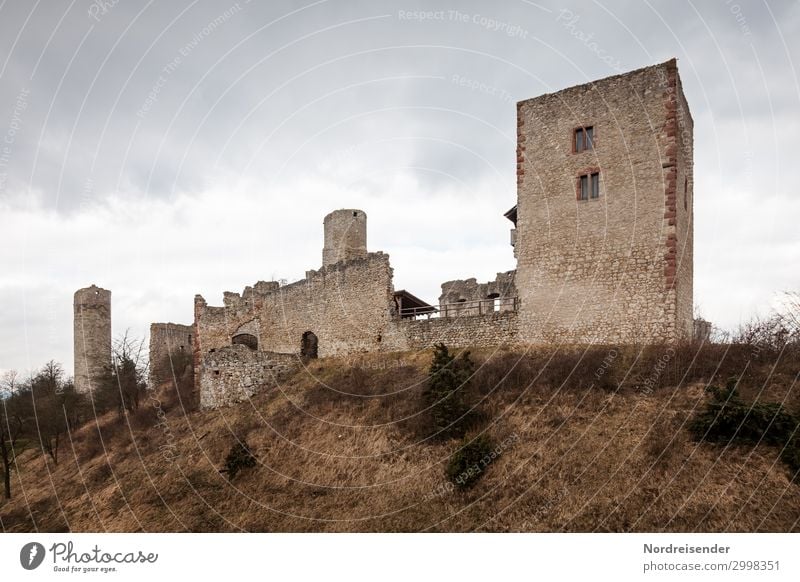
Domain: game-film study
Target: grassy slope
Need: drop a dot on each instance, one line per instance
(581, 458)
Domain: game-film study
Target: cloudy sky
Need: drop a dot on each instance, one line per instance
(166, 149)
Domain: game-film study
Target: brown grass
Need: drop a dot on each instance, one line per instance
(592, 444)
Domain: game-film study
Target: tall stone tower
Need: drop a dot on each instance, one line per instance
(604, 216)
(92, 333)
(345, 236)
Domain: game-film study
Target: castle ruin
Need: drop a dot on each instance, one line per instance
(602, 233)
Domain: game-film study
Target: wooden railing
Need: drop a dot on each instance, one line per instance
(468, 308)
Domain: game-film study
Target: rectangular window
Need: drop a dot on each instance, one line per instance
(584, 138)
(589, 186)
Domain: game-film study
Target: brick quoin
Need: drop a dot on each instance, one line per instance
(520, 146)
(671, 174)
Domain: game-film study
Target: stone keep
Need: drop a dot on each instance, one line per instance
(92, 335)
(345, 236)
(615, 268)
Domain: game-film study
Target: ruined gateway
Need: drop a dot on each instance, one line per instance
(602, 233)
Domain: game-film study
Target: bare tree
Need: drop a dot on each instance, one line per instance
(126, 384)
(789, 312)
(13, 419)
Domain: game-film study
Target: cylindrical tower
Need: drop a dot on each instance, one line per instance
(92, 333)
(345, 236)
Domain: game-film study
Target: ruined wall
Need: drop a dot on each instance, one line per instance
(599, 270)
(234, 373)
(702, 330)
(345, 233)
(167, 340)
(467, 297)
(492, 329)
(92, 337)
(347, 306)
(680, 195)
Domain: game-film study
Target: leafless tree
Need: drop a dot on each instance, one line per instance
(12, 424)
(789, 312)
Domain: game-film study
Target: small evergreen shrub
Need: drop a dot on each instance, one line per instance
(470, 461)
(727, 419)
(238, 458)
(447, 382)
(791, 456)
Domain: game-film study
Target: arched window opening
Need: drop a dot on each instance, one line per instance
(246, 339)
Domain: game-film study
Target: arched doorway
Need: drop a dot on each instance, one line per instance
(309, 345)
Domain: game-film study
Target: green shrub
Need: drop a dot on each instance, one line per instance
(727, 419)
(447, 381)
(791, 456)
(238, 458)
(470, 461)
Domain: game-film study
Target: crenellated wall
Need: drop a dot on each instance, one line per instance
(346, 306)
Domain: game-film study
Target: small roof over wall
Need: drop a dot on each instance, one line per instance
(410, 305)
(512, 215)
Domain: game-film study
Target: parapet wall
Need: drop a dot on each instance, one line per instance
(467, 297)
(167, 340)
(491, 329)
(234, 373)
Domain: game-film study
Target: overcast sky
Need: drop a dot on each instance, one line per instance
(165, 149)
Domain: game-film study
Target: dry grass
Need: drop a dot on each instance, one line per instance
(342, 447)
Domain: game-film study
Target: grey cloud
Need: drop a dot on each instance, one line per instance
(218, 101)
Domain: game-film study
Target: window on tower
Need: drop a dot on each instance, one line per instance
(589, 186)
(583, 139)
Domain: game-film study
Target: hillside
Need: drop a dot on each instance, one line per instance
(591, 440)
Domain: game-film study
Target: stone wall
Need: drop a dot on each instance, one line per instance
(702, 330)
(607, 269)
(167, 340)
(467, 297)
(492, 329)
(347, 306)
(92, 337)
(682, 192)
(234, 373)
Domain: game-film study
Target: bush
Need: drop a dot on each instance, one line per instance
(470, 461)
(727, 419)
(238, 458)
(791, 456)
(447, 381)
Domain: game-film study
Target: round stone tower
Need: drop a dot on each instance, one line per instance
(345, 236)
(92, 333)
